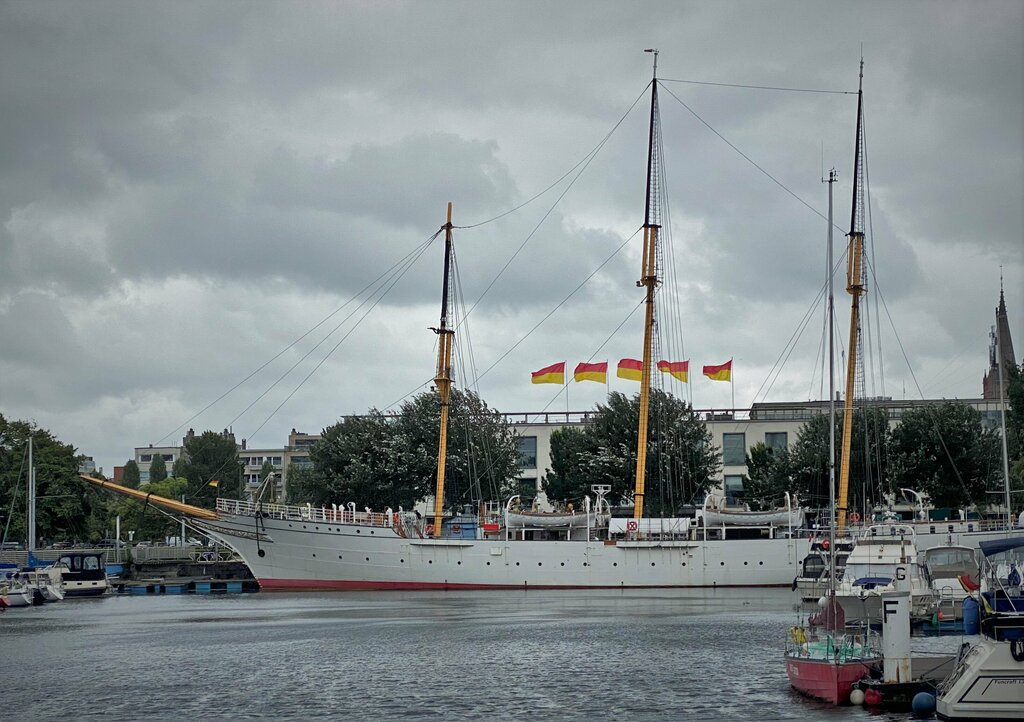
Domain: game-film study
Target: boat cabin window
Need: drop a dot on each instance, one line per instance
(91, 563)
(814, 565)
(949, 557)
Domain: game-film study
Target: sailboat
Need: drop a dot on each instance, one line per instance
(307, 548)
(822, 659)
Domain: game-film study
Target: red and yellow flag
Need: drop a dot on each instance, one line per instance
(678, 369)
(719, 373)
(553, 374)
(591, 372)
(630, 368)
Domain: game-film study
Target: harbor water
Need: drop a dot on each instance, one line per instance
(538, 655)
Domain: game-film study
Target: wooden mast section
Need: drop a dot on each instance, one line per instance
(443, 378)
(855, 284)
(649, 280)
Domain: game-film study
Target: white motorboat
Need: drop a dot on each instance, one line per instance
(14, 592)
(884, 558)
(987, 681)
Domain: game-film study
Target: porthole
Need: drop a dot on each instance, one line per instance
(430, 561)
(314, 556)
(317, 528)
(488, 564)
(563, 564)
(744, 564)
(459, 562)
(540, 564)
(760, 564)
(722, 563)
(359, 531)
(401, 561)
(615, 564)
(684, 564)
(372, 531)
(339, 556)
(517, 564)
(585, 564)
(367, 558)
(652, 564)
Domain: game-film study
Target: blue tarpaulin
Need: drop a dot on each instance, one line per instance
(998, 546)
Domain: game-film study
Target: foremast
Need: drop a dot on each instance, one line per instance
(649, 280)
(855, 285)
(443, 377)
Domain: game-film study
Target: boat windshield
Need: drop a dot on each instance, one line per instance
(949, 557)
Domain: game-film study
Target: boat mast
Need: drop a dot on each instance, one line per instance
(648, 279)
(831, 400)
(855, 284)
(443, 379)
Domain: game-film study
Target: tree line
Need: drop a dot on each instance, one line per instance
(945, 450)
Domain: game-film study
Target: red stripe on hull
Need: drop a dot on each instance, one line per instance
(823, 679)
(316, 585)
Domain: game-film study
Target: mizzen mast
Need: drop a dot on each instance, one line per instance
(855, 285)
(649, 280)
(443, 378)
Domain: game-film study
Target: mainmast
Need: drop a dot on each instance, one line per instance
(831, 398)
(855, 284)
(649, 280)
(443, 378)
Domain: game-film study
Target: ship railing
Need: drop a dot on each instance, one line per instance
(333, 514)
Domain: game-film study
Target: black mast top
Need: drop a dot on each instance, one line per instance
(650, 141)
(857, 206)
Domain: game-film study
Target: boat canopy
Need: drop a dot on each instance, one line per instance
(998, 546)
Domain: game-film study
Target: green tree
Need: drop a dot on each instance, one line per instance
(212, 456)
(869, 459)
(270, 495)
(946, 452)
(682, 463)
(1015, 435)
(157, 468)
(131, 477)
(768, 476)
(148, 521)
(377, 461)
(67, 508)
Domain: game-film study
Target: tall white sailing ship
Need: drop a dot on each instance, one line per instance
(302, 547)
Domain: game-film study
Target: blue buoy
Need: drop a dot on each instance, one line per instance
(972, 620)
(923, 704)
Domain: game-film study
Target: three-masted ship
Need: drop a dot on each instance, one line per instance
(305, 547)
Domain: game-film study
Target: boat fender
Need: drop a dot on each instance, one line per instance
(396, 519)
(1017, 649)
(456, 528)
(798, 635)
(854, 518)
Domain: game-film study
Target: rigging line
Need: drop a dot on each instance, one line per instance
(759, 87)
(786, 350)
(750, 160)
(586, 159)
(559, 304)
(913, 376)
(595, 353)
(380, 298)
(543, 218)
(871, 230)
(293, 343)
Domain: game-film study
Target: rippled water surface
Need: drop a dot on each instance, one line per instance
(540, 655)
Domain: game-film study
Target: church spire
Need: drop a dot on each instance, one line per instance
(1000, 349)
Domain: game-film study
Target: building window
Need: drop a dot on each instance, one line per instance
(734, 450)
(276, 461)
(300, 460)
(777, 441)
(527, 488)
(169, 457)
(145, 458)
(527, 452)
(733, 488)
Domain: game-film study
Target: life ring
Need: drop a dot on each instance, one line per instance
(456, 528)
(854, 518)
(825, 544)
(429, 531)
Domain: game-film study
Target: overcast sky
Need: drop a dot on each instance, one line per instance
(187, 188)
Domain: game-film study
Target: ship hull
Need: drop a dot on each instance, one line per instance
(290, 554)
(824, 679)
